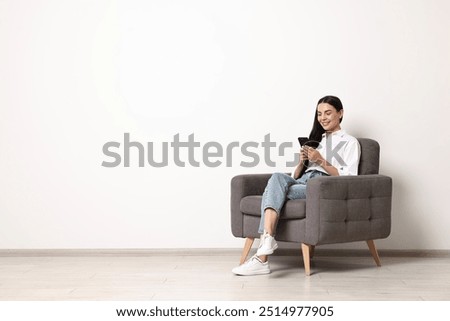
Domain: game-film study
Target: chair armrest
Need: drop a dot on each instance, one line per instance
(241, 186)
(348, 208)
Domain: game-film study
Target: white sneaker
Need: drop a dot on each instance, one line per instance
(267, 244)
(254, 266)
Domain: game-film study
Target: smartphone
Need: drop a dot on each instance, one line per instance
(306, 141)
(303, 140)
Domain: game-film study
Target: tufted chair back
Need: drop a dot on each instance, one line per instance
(370, 156)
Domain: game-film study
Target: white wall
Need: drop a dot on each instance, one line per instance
(77, 74)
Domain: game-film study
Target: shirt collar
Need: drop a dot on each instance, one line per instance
(339, 132)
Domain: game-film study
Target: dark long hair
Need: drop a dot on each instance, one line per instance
(317, 129)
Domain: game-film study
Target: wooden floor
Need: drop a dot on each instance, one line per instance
(208, 276)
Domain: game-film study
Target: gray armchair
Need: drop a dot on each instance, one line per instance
(337, 209)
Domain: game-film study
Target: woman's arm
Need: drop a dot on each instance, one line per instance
(299, 168)
(316, 157)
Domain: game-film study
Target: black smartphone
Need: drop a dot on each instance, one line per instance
(303, 140)
(306, 141)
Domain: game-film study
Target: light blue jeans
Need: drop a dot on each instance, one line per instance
(282, 187)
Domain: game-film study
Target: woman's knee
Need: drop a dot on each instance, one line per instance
(279, 176)
(277, 181)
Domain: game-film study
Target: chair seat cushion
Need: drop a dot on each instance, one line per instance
(292, 209)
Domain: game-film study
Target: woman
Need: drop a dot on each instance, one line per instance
(337, 154)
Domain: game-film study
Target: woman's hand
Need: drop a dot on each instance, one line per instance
(313, 155)
(303, 155)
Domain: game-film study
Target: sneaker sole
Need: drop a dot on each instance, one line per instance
(253, 273)
(259, 253)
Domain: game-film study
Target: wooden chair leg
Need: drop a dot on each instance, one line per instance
(373, 251)
(306, 258)
(247, 247)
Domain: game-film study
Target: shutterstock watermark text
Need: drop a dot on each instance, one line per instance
(183, 151)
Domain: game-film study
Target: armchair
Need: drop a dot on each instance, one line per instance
(336, 210)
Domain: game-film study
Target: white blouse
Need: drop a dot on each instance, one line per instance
(340, 150)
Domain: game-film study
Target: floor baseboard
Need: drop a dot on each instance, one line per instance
(213, 251)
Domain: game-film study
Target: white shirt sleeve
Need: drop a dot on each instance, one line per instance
(351, 155)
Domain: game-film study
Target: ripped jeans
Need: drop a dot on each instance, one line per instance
(282, 187)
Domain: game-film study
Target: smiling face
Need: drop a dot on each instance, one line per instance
(328, 117)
